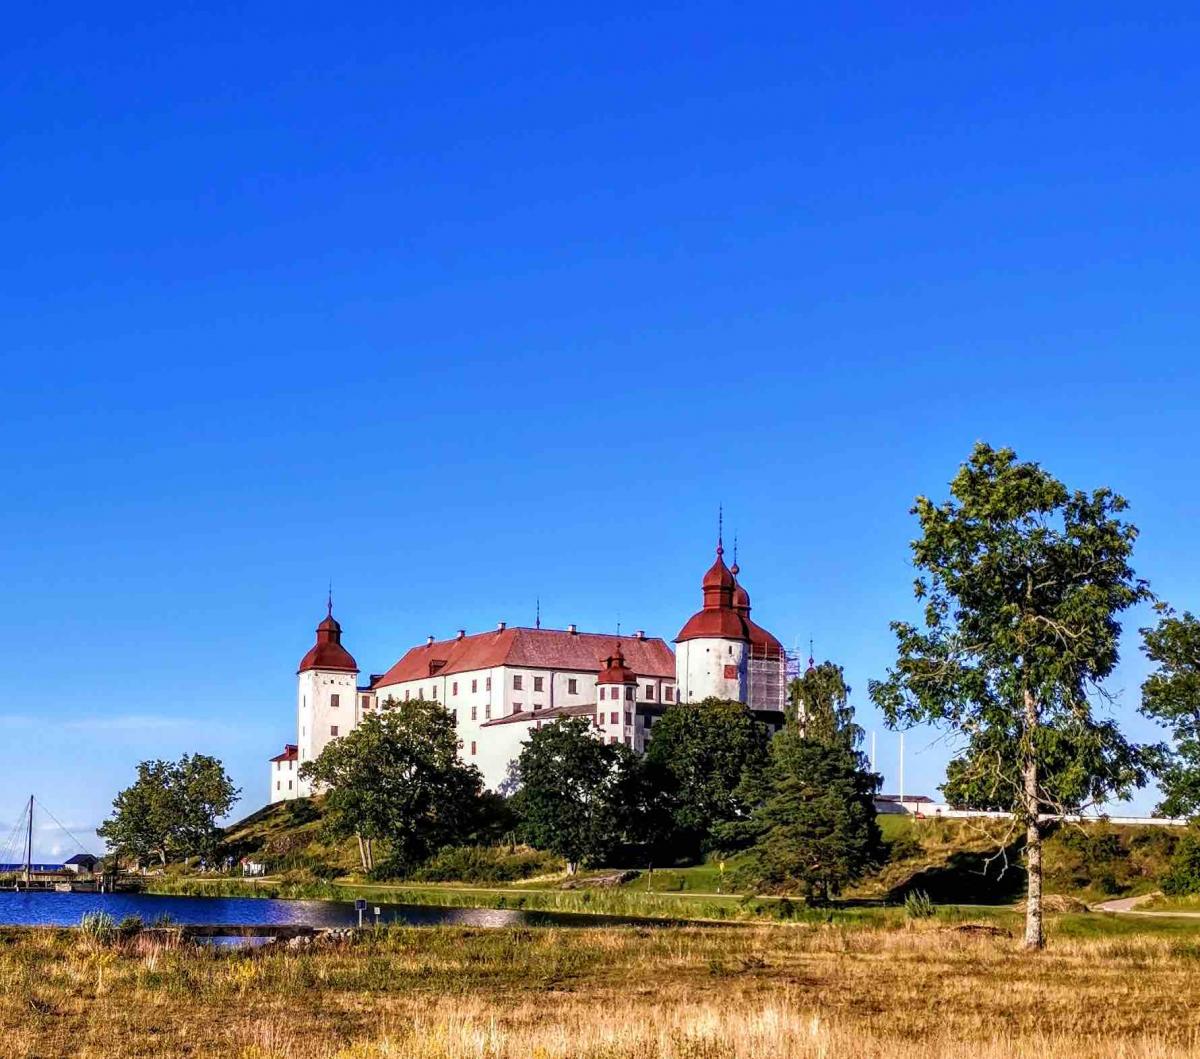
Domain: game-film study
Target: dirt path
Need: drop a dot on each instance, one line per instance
(1128, 906)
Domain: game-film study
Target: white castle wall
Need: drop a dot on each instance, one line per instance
(711, 668)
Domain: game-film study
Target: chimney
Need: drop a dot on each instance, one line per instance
(429, 642)
(572, 630)
(640, 634)
(461, 634)
(501, 626)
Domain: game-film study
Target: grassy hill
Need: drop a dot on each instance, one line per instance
(953, 861)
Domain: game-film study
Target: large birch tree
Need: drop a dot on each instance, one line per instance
(1022, 581)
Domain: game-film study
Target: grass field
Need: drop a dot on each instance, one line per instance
(629, 993)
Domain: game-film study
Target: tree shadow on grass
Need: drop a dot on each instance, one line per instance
(969, 878)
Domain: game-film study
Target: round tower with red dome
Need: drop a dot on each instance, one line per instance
(326, 694)
(712, 648)
(721, 653)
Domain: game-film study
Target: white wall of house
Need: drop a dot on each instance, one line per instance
(284, 781)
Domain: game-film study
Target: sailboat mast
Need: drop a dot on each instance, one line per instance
(29, 842)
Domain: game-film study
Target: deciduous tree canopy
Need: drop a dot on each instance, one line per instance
(1022, 582)
(397, 778)
(171, 811)
(1171, 694)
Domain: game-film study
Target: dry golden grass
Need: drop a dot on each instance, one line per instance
(685, 993)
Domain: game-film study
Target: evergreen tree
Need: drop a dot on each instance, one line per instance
(814, 823)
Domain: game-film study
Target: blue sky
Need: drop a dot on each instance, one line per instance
(464, 307)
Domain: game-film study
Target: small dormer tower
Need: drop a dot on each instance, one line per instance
(616, 700)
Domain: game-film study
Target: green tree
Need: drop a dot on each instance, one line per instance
(814, 823)
(698, 753)
(397, 778)
(171, 811)
(1022, 582)
(1171, 695)
(819, 705)
(567, 785)
(1078, 763)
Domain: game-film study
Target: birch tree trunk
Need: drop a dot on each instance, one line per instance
(1035, 937)
(362, 852)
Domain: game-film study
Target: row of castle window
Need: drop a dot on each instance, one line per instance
(277, 787)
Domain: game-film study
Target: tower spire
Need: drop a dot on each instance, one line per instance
(537, 621)
(329, 601)
(720, 529)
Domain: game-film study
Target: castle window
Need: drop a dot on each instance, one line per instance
(472, 747)
(572, 686)
(517, 682)
(614, 718)
(474, 685)
(628, 717)
(487, 712)
(517, 707)
(454, 716)
(406, 694)
(649, 691)
(278, 785)
(537, 706)
(435, 693)
(613, 739)
(333, 729)
(335, 700)
(289, 785)
(487, 684)
(629, 693)
(473, 713)
(601, 694)
(537, 683)
(454, 688)
(670, 693)
(366, 702)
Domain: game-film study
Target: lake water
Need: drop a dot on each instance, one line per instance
(42, 908)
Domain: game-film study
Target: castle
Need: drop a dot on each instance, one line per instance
(501, 684)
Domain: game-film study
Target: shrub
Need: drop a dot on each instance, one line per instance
(1183, 875)
(486, 864)
(917, 905)
(129, 926)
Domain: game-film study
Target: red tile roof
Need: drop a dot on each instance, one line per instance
(583, 652)
(289, 753)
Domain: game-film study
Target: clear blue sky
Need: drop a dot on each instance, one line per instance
(463, 306)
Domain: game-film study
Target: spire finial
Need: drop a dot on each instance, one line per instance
(720, 529)
(537, 622)
(329, 601)
(735, 562)
(811, 664)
